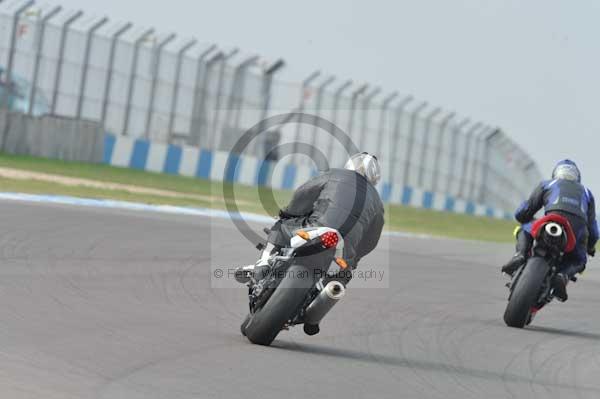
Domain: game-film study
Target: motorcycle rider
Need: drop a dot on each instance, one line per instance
(564, 195)
(343, 199)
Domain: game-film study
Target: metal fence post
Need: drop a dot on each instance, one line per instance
(202, 100)
(428, 120)
(194, 132)
(215, 123)
(511, 184)
(11, 54)
(463, 178)
(155, 72)
(203, 95)
(499, 183)
(411, 142)
(382, 121)
(365, 116)
(438, 151)
(320, 91)
(132, 77)
(454, 149)
(396, 137)
(61, 55)
(353, 101)
(305, 85)
(504, 146)
(516, 153)
(237, 86)
(86, 63)
(267, 83)
(476, 161)
(111, 68)
(485, 166)
(38, 58)
(241, 94)
(176, 86)
(336, 105)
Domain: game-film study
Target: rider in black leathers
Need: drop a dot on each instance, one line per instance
(343, 199)
(564, 195)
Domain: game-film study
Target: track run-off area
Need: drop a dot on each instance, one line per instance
(106, 303)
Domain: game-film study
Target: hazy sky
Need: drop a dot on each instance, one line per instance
(530, 67)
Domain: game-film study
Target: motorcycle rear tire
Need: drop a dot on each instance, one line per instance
(285, 302)
(525, 293)
(244, 324)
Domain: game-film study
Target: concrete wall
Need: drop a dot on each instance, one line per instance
(51, 137)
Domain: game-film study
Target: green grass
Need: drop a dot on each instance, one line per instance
(449, 224)
(397, 217)
(105, 173)
(43, 187)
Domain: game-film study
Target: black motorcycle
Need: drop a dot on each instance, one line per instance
(532, 285)
(298, 286)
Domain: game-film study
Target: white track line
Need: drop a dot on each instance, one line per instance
(178, 210)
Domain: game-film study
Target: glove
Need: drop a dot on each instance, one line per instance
(592, 252)
(284, 215)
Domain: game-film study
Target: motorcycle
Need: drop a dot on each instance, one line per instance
(532, 285)
(297, 286)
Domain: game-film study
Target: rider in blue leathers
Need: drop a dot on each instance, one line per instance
(564, 195)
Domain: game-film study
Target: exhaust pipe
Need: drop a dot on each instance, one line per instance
(554, 230)
(322, 304)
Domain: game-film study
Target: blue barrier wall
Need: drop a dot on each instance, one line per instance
(194, 162)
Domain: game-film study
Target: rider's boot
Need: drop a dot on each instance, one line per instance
(524, 243)
(559, 283)
(514, 263)
(572, 270)
(243, 274)
(311, 329)
(562, 279)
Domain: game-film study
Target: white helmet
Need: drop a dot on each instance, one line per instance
(366, 165)
(567, 170)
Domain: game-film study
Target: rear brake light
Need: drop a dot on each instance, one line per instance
(329, 239)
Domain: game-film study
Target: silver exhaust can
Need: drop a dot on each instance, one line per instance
(322, 304)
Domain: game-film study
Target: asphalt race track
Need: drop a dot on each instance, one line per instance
(98, 303)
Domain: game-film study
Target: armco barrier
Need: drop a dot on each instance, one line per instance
(194, 162)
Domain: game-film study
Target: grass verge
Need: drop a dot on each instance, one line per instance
(397, 217)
